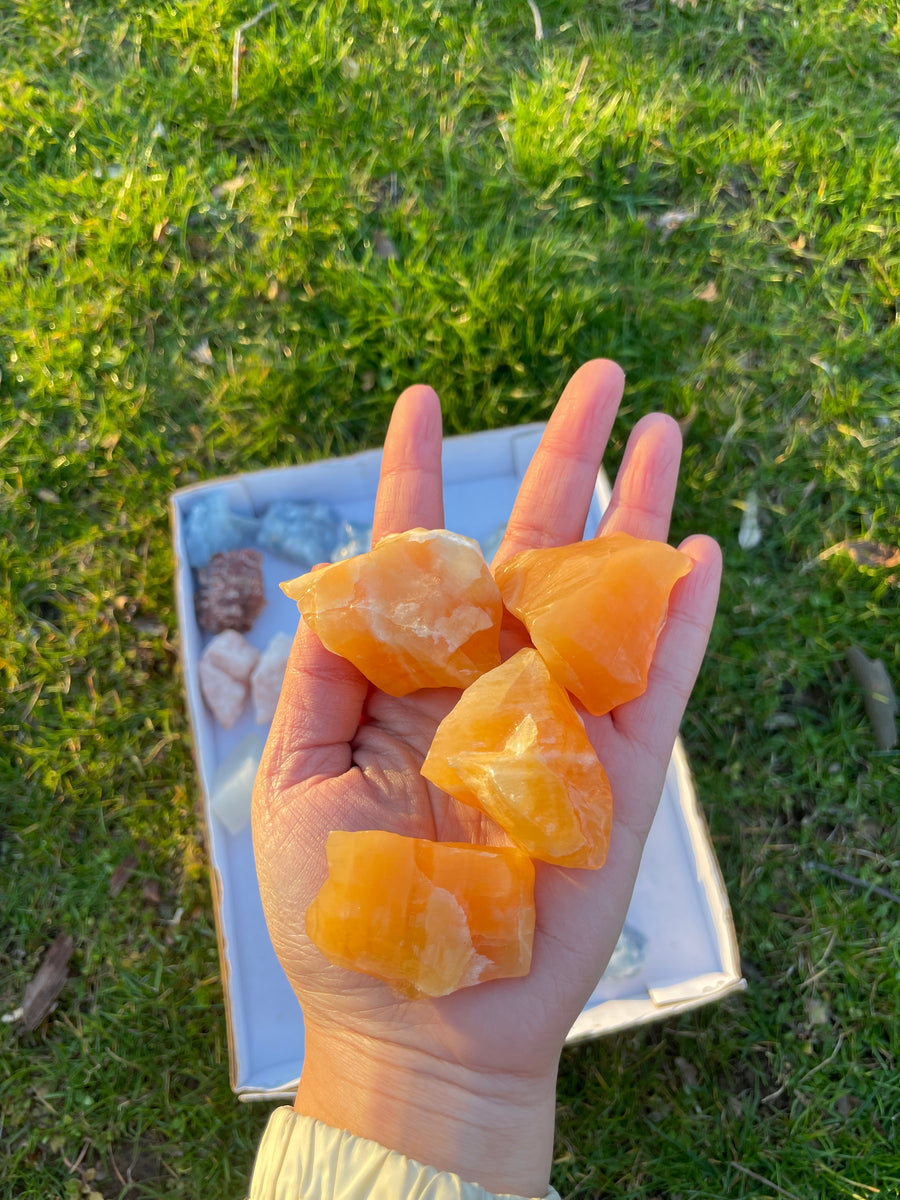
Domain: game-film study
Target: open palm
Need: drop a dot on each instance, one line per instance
(342, 755)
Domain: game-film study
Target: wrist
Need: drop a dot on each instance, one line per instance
(488, 1128)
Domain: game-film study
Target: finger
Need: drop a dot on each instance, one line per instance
(641, 502)
(322, 696)
(553, 501)
(410, 491)
(650, 723)
(318, 714)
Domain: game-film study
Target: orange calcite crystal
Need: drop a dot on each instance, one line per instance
(594, 610)
(425, 917)
(515, 747)
(419, 610)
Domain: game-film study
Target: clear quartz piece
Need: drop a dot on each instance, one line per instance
(232, 786)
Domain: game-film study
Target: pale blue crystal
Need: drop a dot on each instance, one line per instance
(629, 955)
(354, 538)
(491, 543)
(303, 531)
(212, 528)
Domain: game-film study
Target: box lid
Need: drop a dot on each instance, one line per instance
(679, 918)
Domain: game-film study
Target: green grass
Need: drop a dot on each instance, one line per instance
(525, 188)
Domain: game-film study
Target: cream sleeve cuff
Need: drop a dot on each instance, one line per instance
(302, 1159)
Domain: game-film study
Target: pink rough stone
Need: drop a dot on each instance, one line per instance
(225, 668)
(268, 676)
(225, 696)
(232, 653)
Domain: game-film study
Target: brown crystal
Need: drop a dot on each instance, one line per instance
(230, 593)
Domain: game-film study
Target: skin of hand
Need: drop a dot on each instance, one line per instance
(466, 1083)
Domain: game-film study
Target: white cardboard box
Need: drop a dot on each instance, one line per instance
(679, 905)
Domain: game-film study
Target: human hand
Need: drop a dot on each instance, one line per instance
(466, 1082)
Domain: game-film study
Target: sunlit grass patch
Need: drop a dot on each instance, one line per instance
(708, 193)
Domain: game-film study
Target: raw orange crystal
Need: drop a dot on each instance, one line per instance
(594, 610)
(418, 610)
(425, 917)
(515, 747)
